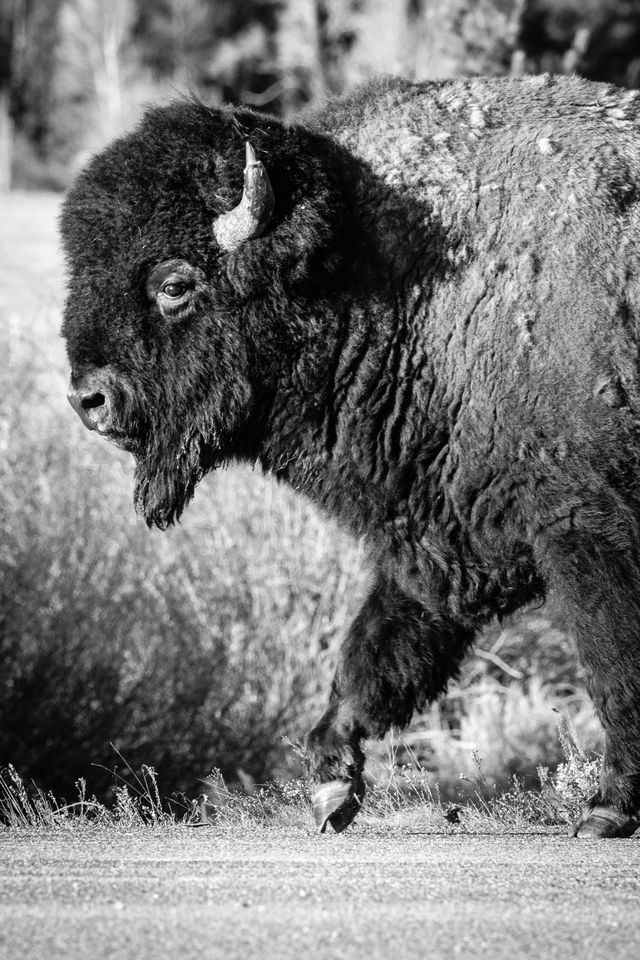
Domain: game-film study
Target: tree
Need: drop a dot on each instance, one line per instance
(28, 38)
(98, 59)
(598, 38)
(326, 46)
(222, 51)
(7, 26)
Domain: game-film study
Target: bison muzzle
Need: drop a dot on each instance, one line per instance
(420, 307)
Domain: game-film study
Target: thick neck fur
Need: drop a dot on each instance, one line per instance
(338, 426)
(362, 421)
(337, 412)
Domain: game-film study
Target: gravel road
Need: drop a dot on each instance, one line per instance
(174, 892)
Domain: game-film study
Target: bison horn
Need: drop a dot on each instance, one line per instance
(250, 217)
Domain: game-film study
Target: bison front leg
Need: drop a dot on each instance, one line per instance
(599, 582)
(396, 657)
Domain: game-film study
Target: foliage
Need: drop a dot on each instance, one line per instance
(74, 73)
(576, 779)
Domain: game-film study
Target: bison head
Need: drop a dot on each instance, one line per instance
(189, 270)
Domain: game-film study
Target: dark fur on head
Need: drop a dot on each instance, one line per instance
(186, 162)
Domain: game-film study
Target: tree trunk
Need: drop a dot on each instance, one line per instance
(6, 141)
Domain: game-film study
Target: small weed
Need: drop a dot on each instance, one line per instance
(575, 780)
(21, 807)
(27, 806)
(286, 802)
(560, 795)
(395, 785)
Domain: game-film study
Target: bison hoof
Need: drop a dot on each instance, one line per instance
(600, 822)
(337, 803)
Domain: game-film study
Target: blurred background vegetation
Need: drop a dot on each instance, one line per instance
(201, 648)
(74, 73)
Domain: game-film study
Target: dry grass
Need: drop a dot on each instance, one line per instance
(399, 796)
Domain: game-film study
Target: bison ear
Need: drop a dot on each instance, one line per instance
(250, 217)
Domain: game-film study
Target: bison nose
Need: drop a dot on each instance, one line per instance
(92, 405)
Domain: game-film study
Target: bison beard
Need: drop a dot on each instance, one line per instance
(173, 451)
(420, 308)
(170, 465)
(164, 484)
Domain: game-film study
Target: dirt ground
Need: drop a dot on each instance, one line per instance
(175, 892)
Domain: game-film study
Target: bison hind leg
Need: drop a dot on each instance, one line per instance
(594, 566)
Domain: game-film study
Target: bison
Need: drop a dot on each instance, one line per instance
(420, 307)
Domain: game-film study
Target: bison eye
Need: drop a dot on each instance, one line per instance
(174, 289)
(171, 285)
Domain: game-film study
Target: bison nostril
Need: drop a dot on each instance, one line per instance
(93, 400)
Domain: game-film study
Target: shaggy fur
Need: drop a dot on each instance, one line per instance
(436, 339)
